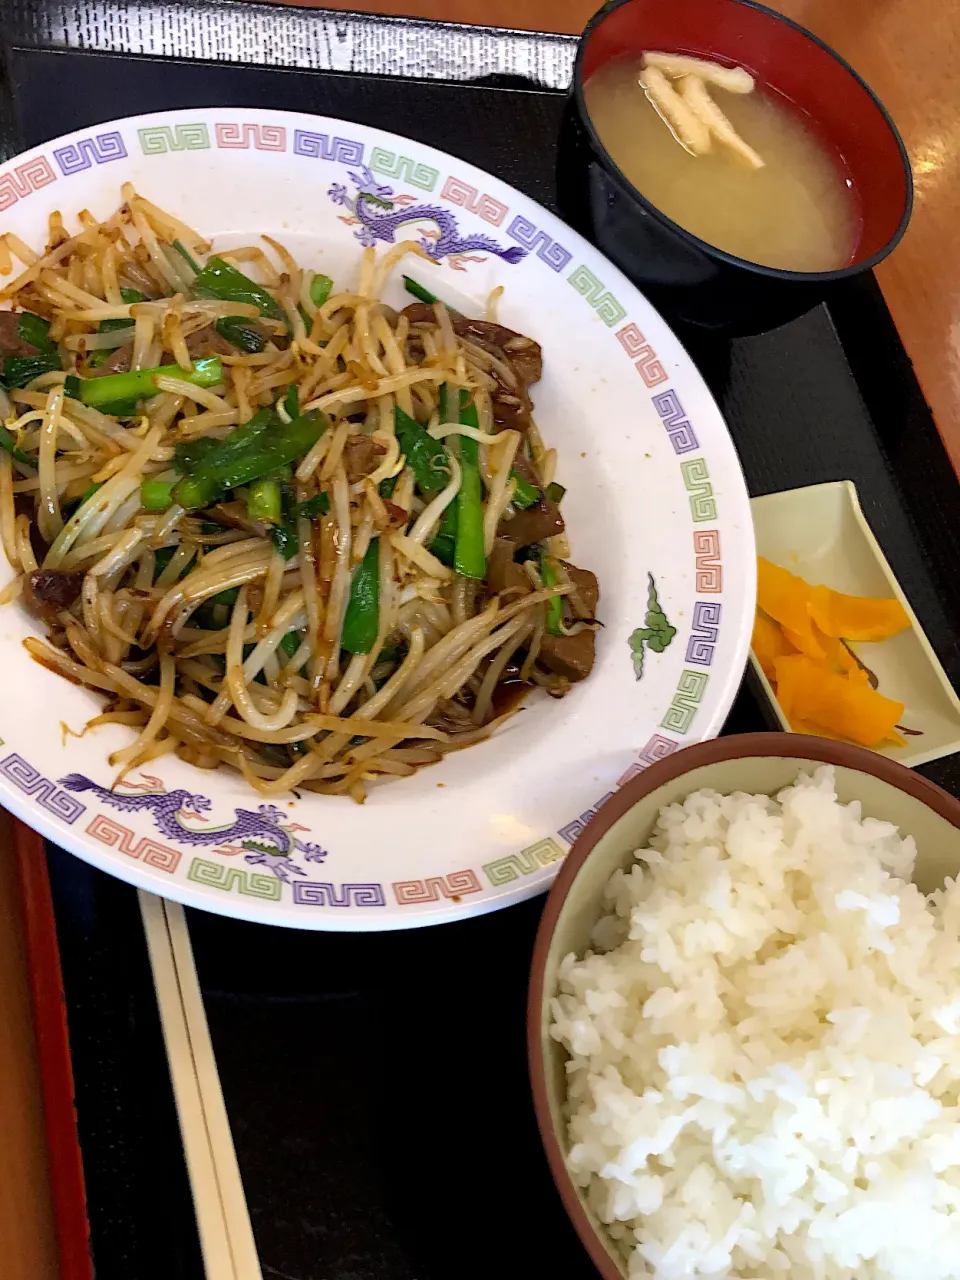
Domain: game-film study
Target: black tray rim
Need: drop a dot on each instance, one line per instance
(279, 35)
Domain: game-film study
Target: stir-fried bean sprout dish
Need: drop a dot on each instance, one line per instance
(279, 524)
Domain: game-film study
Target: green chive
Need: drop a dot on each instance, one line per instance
(290, 643)
(361, 621)
(314, 507)
(550, 578)
(418, 291)
(19, 370)
(240, 333)
(156, 495)
(264, 501)
(526, 494)
(320, 289)
(8, 443)
(130, 296)
(219, 279)
(35, 330)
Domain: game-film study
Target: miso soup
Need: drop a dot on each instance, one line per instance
(798, 212)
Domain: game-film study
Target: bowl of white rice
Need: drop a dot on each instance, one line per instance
(744, 1019)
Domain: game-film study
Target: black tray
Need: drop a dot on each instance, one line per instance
(376, 1085)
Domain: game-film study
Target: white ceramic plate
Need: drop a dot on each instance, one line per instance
(654, 494)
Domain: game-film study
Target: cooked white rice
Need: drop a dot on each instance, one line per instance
(764, 1049)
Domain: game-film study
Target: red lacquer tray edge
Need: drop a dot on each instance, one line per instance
(53, 1054)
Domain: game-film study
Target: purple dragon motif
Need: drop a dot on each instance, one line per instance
(282, 866)
(266, 837)
(380, 214)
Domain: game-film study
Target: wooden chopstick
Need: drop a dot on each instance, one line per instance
(240, 1231)
(226, 1236)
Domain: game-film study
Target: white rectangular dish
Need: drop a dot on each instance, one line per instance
(821, 534)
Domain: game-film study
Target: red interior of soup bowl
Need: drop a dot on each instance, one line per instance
(841, 109)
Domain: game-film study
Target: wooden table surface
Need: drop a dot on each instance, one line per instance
(909, 52)
(28, 1248)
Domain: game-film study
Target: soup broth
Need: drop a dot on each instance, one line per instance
(798, 212)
